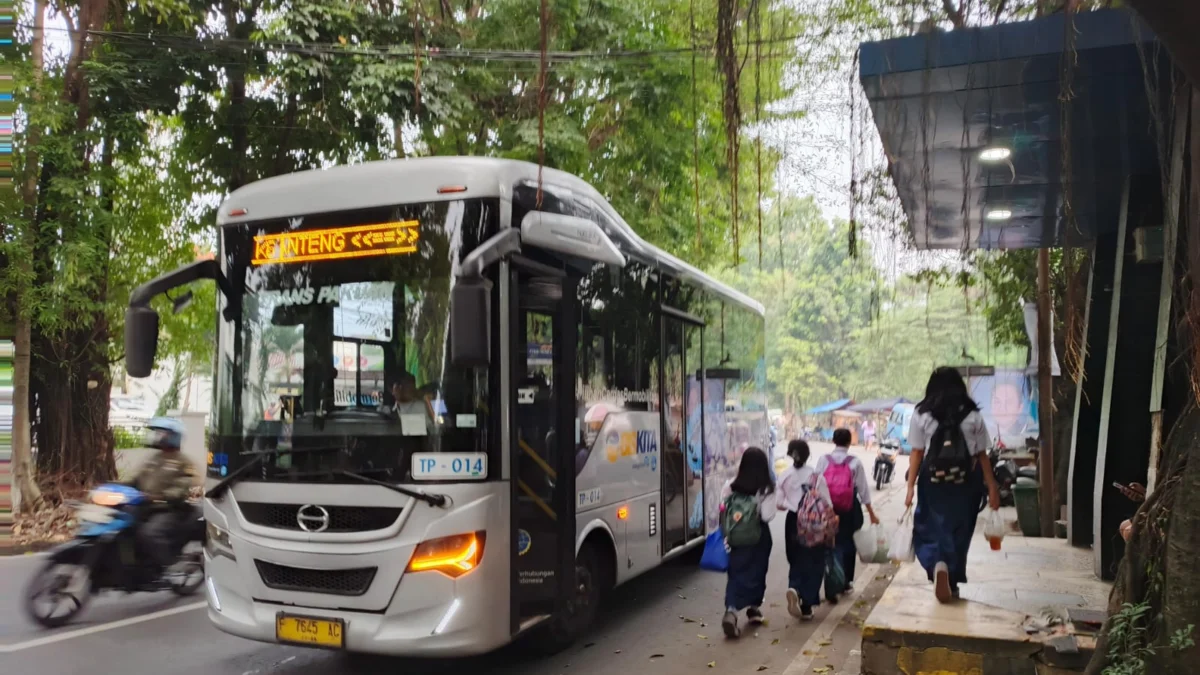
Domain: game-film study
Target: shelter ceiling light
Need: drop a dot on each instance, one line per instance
(994, 154)
(999, 214)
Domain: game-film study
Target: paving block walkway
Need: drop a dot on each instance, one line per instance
(1029, 608)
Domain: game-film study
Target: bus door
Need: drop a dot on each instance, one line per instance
(543, 332)
(683, 433)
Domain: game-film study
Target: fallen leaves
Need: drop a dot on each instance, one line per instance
(712, 664)
(657, 656)
(824, 643)
(775, 641)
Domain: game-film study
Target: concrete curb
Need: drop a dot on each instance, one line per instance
(16, 550)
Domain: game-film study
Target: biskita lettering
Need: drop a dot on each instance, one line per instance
(617, 396)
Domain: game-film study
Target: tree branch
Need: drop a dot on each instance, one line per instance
(955, 14)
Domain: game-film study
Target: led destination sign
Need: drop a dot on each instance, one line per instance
(361, 241)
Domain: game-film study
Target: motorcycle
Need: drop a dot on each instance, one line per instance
(885, 462)
(103, 556)
(1006, 473)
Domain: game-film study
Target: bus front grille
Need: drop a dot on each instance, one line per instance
(330, 582)
(341, 518)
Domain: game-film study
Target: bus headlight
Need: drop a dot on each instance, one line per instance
(453, 556)
(216, 541)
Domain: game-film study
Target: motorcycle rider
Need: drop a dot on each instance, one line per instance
(166, 479)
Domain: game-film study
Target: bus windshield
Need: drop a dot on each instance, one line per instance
(342, 343)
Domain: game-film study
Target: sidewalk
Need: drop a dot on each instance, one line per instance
(1029, 608)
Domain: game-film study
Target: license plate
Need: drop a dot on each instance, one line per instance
(312, 632)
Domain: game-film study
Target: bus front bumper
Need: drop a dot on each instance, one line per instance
(465, 624)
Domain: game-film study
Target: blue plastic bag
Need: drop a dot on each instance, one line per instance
(715, 558)
(835, 575)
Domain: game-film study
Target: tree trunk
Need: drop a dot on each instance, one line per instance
(1175, 22)
(26, 483)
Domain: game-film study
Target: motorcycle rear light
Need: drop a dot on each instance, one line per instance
(107, 498)
(453, 556)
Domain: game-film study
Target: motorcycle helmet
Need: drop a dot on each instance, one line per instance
(164, 433)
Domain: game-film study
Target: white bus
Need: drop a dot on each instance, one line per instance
(448, 410)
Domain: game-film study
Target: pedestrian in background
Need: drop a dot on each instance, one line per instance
(850, 492)
(806, 564)
(748, 503)
(951, 477)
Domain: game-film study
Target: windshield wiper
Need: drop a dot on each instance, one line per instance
(228, 481)
(428, 498)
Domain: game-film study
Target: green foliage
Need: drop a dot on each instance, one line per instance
(1131, 640)
(126, 439)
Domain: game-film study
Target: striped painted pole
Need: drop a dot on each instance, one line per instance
(7, 489)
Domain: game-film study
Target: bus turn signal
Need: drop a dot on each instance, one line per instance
(453, 556)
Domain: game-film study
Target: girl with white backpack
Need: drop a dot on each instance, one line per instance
(809, 530)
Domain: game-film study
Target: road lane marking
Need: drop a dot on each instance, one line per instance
(92, 630)
(802, 664)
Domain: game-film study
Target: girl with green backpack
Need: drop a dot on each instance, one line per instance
(747, 505)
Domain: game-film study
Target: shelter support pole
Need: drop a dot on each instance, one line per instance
(1114, 321)
(1166, 287)
(1049, 501)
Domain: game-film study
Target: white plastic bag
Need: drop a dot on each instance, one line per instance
(901, 548)
(867, 543)
(993, 529)
(881, 545)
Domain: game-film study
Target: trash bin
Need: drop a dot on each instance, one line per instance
(1025, 494)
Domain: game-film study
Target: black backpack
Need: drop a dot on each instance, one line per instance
(948, 458)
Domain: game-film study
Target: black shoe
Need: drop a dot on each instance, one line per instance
(806, 613)
(730, 624)
(831, 598)
(754, 615)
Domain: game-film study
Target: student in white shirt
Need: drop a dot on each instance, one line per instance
(850, 491)
(806, 565)
(746, 580)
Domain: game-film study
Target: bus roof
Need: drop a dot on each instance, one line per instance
(388, 182)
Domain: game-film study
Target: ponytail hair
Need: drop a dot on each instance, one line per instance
(799, 452)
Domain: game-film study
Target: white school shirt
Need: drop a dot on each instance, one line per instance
(974, 429)
(766, 502)
(840, 456)
(792, 483)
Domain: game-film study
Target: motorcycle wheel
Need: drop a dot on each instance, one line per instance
(58, 586)
(187, 576)
(878, 479)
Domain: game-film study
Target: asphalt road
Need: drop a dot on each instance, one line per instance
(665, 622)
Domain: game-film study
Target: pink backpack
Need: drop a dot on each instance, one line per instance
(815, 523)
(840, 478)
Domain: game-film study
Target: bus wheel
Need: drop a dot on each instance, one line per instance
(581, 611)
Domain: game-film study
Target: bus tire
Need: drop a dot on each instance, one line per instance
(590, 579)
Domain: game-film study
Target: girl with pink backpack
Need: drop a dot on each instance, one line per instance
(809, 530)
(850, 491)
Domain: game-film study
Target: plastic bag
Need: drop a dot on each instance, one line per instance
(901, 547)
(835, 575)
(866, 541)
(716, 557)
(993, 529)
(881, 545)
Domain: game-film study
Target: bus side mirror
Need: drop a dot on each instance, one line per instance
(141, 340)
(471, 322)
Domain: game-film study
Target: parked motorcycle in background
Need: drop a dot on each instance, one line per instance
(885, 462)
(104, 555)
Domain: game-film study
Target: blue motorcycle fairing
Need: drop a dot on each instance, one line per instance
(132, 495)
(119, 522)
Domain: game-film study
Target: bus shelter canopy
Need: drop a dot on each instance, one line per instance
(941, 99)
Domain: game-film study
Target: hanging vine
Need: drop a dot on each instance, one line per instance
(543, 68)
(728, 62)
(758, 120)
(695, 128)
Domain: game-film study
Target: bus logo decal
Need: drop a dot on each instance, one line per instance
(524, 542)
(312, 518)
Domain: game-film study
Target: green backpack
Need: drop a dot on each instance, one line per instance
(740, 521)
